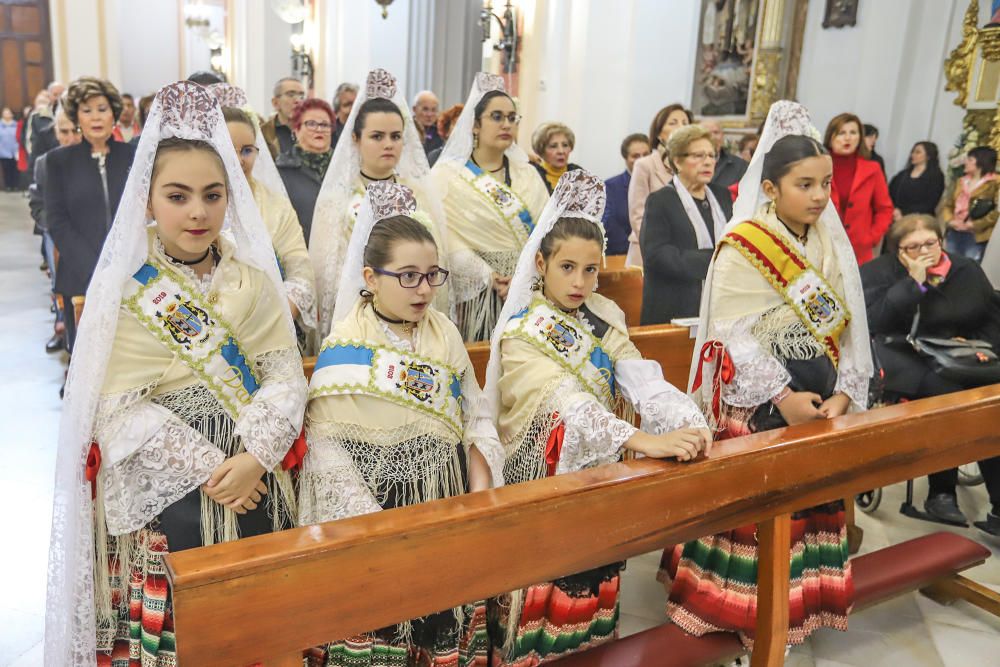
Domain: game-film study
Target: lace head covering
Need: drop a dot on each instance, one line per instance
(578, 194)
(458, 148)
(264, 170)
(383, 199)
(790, 118)
(328, 238)
(188, 111)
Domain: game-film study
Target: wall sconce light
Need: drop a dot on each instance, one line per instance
(384, 4)
(508, 29)
(302, 63)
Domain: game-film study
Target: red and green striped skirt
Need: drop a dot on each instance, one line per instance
(565, 616)
(715, 578)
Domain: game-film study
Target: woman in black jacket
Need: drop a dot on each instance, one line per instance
(955, 299)
(303, 168)
(680, 227)
(918, 187)
(84, 184)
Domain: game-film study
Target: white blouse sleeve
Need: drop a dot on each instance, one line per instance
(302, 293)
(271, 422)
(593, 435)
(662, 406)
(151, 459)
(479, 428)
(759, 375)
(855, 385)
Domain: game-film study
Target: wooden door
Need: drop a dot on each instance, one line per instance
(25, 51)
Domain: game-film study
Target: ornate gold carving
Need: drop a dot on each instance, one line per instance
(958, 66)
(766, 79)
(990, 39)
(995, 132)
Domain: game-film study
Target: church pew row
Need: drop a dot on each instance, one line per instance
(308, 585)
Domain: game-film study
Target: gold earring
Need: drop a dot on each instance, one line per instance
(475, 141)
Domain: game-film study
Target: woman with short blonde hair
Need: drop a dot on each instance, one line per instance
(552, 143)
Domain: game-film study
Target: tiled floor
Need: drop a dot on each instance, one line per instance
(911, 630)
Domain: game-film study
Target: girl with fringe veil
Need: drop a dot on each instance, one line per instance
(782, 340)
(184, 395)
(492, 199)
(561, 365)
(275, 208)
(383, 146)
(396, 415)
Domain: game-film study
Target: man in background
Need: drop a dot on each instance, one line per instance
(425, 111)
(277, 130)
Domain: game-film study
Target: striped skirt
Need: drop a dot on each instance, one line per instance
(715, 578)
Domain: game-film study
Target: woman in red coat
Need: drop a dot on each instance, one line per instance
(859, 190)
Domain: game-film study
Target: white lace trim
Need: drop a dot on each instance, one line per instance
(330, 486)
(593, 436)
(855, 385)
(759, 376)
(662, 406)
(303, 295)
(202, 283)
(269, 425)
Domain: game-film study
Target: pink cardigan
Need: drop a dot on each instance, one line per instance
(649, 174)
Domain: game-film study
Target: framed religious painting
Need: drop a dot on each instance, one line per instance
(747, 57)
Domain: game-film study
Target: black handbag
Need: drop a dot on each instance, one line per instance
(969, 362)
(980, 208)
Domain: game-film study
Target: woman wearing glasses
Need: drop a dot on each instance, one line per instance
(955, 299)
(380, 144)
(303, 168)
(277, 212)
(492, 197)
(681, 225)
(396, 416)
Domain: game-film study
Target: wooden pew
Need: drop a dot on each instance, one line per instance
(308, 585)
(624, 287)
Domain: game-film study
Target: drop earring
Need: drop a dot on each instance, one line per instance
(475, 141)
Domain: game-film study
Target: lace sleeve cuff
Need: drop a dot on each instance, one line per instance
(662, 406)
(759, 376)
(272, 420)
(855, 385)
(167, 466)
(301, 293)
(593, 435)
(479, 428)
(330, 486)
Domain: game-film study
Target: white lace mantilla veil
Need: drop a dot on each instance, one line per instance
(458, 148)
(578, 194)
(383, 199)
(264, 170)
(327, 239)
(185, 110)
(790, 118)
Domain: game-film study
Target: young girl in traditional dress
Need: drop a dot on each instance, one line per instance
(492, 199)
(783, 340)
(183, 398)
(384, 146)
(561, 364)
(275, 208)
(395, 415)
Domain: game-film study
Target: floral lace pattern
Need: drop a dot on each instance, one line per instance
(266, 433)
(855, 385)
(331, 487)
(662, 406)
(593, 435)
(270, 423)
(174, 462)
(759, 375)
(301, 293)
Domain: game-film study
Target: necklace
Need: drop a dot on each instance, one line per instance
(801, 238)
(408, 327)
(190, 262)
(372, 178)
(503, 167)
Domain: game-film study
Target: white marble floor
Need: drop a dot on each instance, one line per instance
(910, 630)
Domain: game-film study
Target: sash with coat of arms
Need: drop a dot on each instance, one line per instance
(823, 312)
(351, 366)
(167, 306)
(503, 200)
(570, 343)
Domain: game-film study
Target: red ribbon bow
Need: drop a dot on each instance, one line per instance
(296, 453)
(92, 468)
(714, 352)
(553, 446)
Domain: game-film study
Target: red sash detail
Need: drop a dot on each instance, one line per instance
(714, 351)
(296, 453)
(553, 447)
(92, 468)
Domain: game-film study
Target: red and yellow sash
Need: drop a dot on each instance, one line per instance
(816, 303)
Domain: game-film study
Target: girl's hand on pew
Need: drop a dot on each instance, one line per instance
(237, 483)
(800, 407)
(835, 406)
(684, 443)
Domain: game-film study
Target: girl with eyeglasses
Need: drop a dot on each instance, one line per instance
(303, 168)
(396, 415)
(381, 145)
(275, 208)
(492, 197)
(955, 299)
